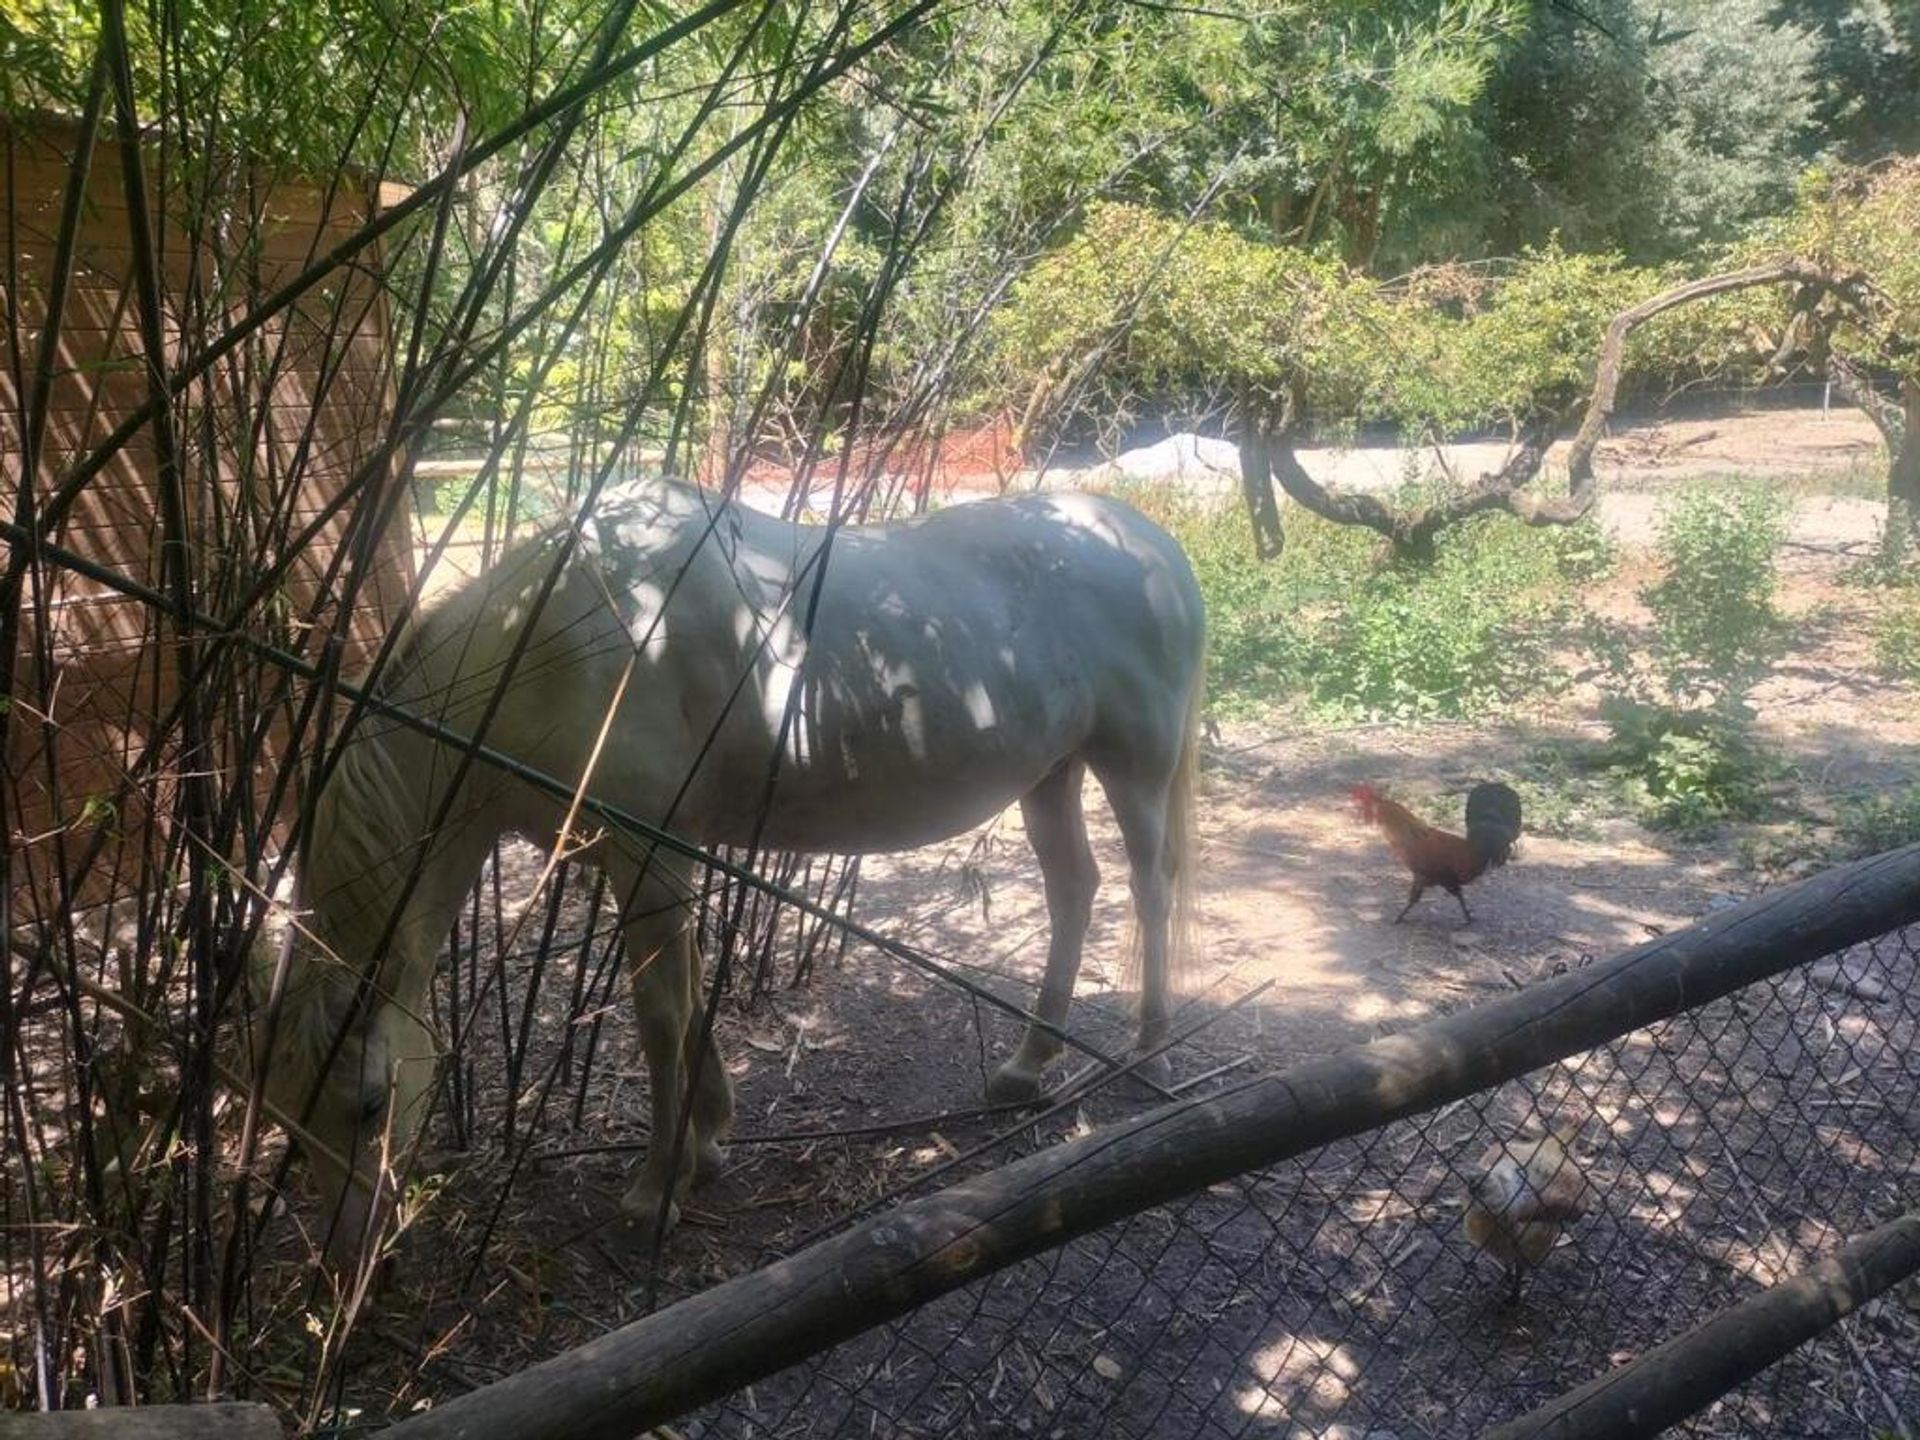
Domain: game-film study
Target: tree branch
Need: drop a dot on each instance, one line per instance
(1412, 532)
(1581, 488)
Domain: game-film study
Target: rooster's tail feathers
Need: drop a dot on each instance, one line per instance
(1493, 821)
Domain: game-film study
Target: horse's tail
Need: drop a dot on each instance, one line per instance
(1182, 841)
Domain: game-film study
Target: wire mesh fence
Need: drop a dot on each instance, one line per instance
(1340, 1295)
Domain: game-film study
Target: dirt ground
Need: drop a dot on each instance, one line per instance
(1299, 958)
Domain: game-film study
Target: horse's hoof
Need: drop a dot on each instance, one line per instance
(1013, 1085)
(709, 1162)
(641, 1206)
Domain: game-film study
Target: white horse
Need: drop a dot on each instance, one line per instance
(737, 679)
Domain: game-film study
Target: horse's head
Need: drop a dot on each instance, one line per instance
(348, 1072)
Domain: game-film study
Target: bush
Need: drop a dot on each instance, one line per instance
(1451, 638)
(1332, 624)
(1140, 304)
(1691, 769)
(1873, 823)
(1583, 552)
(1896, 638)
(1683, 732)
(1716, 629)
(445, 497)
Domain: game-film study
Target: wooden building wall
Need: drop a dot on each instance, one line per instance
(266, 441)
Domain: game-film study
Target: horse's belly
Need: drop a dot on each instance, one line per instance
(872, 790)
(857, 818)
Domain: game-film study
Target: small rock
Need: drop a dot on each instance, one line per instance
(1106, 1367)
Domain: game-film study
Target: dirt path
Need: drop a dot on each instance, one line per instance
(1774, 443)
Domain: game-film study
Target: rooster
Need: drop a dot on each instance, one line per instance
(1437, 857)
(1520, 1198)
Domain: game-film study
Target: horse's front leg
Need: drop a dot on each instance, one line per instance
(1057, 830)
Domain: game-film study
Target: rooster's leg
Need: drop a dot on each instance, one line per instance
(1413, 899)
(1454, 891)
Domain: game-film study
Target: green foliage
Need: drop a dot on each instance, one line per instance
(1658, 128)
(532, 502)
(1680, 727)
(1896, 635)
(1716, 629)
(1451, 638)
(1531, 346)
(1173, 307)
(1150, 306)
(1869, 824)
(1583, 552)
(1866, 73)
(1332, 626)
(1689, 769)
(290, 88)
(1867, 220)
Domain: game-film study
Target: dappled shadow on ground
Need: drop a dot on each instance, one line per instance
(1336, 1296)
(1334, 1291)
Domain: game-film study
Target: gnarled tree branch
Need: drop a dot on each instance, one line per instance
(1267, 450)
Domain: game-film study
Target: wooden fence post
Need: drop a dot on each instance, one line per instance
(1667, 1384)
(147, 1422)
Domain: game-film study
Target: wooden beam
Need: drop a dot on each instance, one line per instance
(712, 1344)
(1666, 1385)
(147, 1422)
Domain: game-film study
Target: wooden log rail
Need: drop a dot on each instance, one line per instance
(1667, 1384)
(707, 1346)
(229, 1421)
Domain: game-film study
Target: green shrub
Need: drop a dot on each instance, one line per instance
(1451, 638)
(1680, 727)
(1872, 823)
(1583, 552)
(445, 497)
(1896, 638)
(1691, 769)
(1716, 629)
(1334, 625)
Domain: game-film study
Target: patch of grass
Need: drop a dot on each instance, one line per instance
(1566, 793)
(1340, 626)
(1861, 824)
(1855, 482)
(1868, 824)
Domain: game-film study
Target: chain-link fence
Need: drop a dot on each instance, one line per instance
(1342, 1292)
(1340, 1295)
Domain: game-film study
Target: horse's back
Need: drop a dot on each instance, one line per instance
(953, 661)
(942, 667)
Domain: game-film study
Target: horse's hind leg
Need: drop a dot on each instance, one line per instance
(1057, 830)
(1141, 809)
(664, 971)
(712, 1087)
